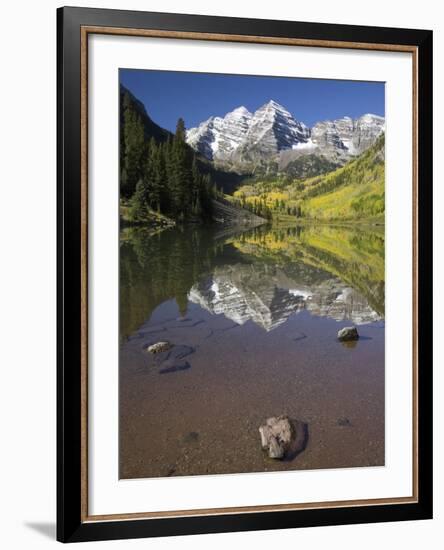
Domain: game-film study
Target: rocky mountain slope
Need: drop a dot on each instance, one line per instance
(244, 140)
(345, 134)
(227, 213)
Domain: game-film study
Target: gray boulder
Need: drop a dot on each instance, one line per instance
(276, 436)
(159, 347)
(347, 334)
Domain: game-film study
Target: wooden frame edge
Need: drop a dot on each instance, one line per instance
(85, 31)
(200, 512)
(415, 268)
(252, 39)
(84, 270)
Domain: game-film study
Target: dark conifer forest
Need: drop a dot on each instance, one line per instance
(158, 171)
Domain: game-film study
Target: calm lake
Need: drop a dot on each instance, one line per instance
(253, 318)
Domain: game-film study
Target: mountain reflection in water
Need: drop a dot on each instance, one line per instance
(264, 275)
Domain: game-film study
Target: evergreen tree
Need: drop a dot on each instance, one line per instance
(151, 175)
(166, 200)
(180, 180)
(139, 203)
(206, 197)
(160, 179)
(134, 147)
(196, 190)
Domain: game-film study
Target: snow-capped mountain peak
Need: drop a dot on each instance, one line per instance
(370, 118)
(273, 129)
(239, 112)
(274, 106)
(220, 136)
(241, 136)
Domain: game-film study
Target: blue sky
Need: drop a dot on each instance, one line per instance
(197, 96)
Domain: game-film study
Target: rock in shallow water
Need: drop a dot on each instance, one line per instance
(348, 333)
(343, 421)
(276, 436)
(159, 347)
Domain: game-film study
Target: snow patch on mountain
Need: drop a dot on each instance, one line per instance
(304, 145)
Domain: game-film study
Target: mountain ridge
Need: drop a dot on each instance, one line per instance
(242, 139)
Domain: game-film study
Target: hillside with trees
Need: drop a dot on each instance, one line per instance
(353, 192)
(159, 172)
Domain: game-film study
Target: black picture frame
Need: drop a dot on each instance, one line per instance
(71, 523)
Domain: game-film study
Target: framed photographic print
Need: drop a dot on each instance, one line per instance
(244, 285)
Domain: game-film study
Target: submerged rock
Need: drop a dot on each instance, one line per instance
(348, 333)
(343, 421)
(283, 438)
(159, 347)
(191, 437)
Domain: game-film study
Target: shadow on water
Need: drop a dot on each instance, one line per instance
(300, 442)
(175, 368)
